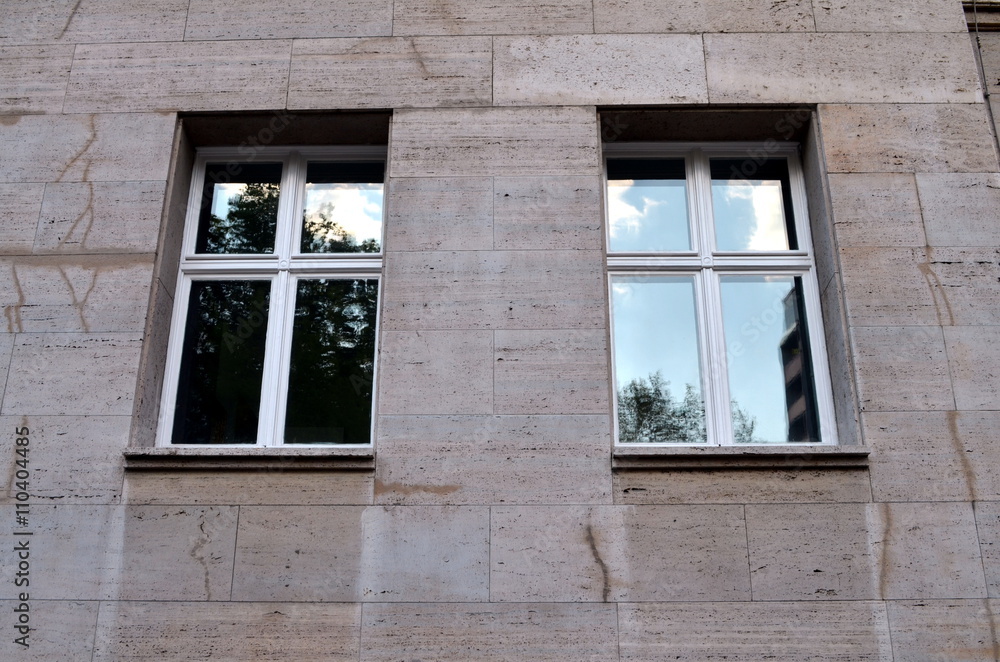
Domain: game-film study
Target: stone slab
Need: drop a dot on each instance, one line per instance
(61, 631)
(989, 51)
(92, 21)
(439, 213)
(988, 526)
(275, 487)
(878, 210)
(943, 630)
(493, 460)
(902, 368)
(301, 19)
(20, 205)
(34, 78)
(634, 16)
(391, 72)
(974, 359)
(960, 209)
(868, 16)
(432, 17)
(547, 213)
(165, 77)
(599, 69)
(6, 350)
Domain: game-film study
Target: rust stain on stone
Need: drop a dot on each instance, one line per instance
(92, 127)
(884, 566)
(13, 312)
(9, 120)
(88, 211)
(407, 490)
(937, 289)
(78, 303)
(963, 457)
(72, 15)
(605, 583)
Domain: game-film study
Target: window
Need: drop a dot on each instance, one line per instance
(715, 316)
(274, 325)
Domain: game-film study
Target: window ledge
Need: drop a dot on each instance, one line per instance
(711, 457)
(252, 458)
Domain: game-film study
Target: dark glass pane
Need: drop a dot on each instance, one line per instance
(239, 208)
(343, 208)
(647, 205)
(333, 362)
(752, 205)
(218, 394)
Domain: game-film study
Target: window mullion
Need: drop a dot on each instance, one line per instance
(720, 425)
(292, 190)
(273, 361)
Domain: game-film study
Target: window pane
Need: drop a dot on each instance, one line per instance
(656, 360)
(332, 364)
(752, 205)
(222, 363)
(239, 208)
(343, 208)
(647, 205)
(770, 372)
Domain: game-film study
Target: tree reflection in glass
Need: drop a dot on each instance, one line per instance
(239, 211)
(343, 208)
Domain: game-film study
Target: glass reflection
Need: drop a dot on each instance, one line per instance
(222, 363)
(753, 211)
(770, 373)
(332, 363)
(657, 368)
(343, 208)
(647, 205)
(239, 210)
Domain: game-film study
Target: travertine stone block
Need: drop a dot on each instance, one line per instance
(739, 486)
(92, 294)
(299, 553)
(178, 552)
(907, 138)
(780, 631)
(391, 72)
(61, 631)
(34, 78)
(840, 68)
(436, 372)
(878, 209)
(974, 358)
(20, 205)
(101, 217)
(618, 553)
(698, 16)
(6, 349)
(276, 487)
(494, 290)
(72, 459)
(551, 372)
(989, 47)
(88, 148)
(493, 459)
(72, 374)
(960, 209)
(489, 632)
(599, 69)
(547, 213)
(228, 632)
(943, 630)
(841, 363)
(303, 19)
(92, 21)
(988, 524)
(230, 75)
(439, 213)
(868, 16)
(494, 141)
(425, 554)
(430, 17)
(902, 368)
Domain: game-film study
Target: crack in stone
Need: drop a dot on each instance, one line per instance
(72, 15)
(934, 283)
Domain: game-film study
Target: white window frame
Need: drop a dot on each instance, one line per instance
(707, 264)
(284, 268)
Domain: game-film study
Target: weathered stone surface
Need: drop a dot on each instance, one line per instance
(391, 72)
(878, 210)
(907, 138)
(841, 363)
(840, 68)
(90, 148)
(293, 488)
(299, 553)
(780, 631)
(20, 205)
(229, 632)
(488, 632)
(6, 349)
(943, 630)
(71, 459)
(436, 372)
(101, 217)
(551, 372)
(92, 21)
(633, 16)
(493, 459)
(33, 78)
(439, 213)
(618, 553)
(493, 141)
(989, 47)
(230, 75)
(868, 16)
(988, 525)
(85, 295)
(302, 19)
(902, 368)
(547, 213)
(739, 486)
(974, 358)
(960, 209)
(61, 631)
(425, 554)
(494, 290)
(599, 69)
(431, 17)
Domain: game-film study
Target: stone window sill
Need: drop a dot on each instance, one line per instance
(753, 457)
(250, 459)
